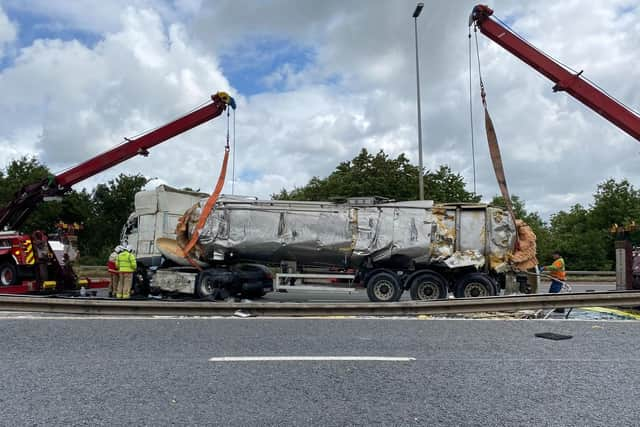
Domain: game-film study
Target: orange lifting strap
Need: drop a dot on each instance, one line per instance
(211, 201)
(208, 207)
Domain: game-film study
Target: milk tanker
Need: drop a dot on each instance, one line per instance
(426, 248)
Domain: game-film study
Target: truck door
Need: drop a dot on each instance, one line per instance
(146, 235)
(471, 229)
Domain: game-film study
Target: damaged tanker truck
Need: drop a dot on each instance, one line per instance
(428, 249)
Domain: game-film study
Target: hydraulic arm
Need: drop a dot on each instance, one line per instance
(26, 200)
(565, 80)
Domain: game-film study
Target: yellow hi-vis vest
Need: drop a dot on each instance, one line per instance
(126, 262)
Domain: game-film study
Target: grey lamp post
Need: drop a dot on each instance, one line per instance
(415, 15)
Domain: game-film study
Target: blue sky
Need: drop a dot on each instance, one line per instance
(33, 26)
(251, 61)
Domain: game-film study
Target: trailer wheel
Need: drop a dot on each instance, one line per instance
(210, 287)
(383, 287)
(8, 274)
(475, 285)
(428, 286)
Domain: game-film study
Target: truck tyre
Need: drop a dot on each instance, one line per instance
(474, 285)
(209, 287)
(8, 274)
(428, 286)
(141, 286)
(384, 287)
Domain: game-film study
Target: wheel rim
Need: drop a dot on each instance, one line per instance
(207, 286)
(428, 290)
(6, 276)
(383, 290)
(475, 289)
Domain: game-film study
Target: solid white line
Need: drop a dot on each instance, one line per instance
(310, 358)
(431, 317)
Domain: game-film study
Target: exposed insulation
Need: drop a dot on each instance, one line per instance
(524, 257)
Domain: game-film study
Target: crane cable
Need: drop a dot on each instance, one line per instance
(208, 207)
(473, 146)
(233, 163)
(492, 140)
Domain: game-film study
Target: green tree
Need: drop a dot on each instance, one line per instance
(380, 175)
(615, 203)
(365, 175)
(582, 234)
(112, 203)
(582, 246)
(18, 173)
(28, 170)
(443, 186)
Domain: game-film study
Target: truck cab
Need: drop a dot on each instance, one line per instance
(156, 215)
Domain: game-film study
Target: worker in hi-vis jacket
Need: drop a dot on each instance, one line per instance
(113, 271)
(557, 272)
(126, 264)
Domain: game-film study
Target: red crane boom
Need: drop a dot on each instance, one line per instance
(565, 80)
(25, 200)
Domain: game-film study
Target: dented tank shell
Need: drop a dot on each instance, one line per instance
(400, 234)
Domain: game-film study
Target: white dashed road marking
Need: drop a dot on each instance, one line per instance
(310, 359)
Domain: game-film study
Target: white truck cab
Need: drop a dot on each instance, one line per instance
(156, 215)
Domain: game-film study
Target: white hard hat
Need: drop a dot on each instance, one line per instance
(119, 248)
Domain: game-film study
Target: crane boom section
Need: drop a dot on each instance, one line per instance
(564, 79)
(139, 146)
(28, 197)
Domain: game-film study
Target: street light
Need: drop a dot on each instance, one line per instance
(415, 15)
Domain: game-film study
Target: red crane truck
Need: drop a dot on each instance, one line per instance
(565, 80)
(29, 263)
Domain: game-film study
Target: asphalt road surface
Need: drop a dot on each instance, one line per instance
(58, 371)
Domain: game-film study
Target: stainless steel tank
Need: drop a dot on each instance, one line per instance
(344, 234)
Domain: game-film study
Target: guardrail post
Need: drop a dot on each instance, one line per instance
(511, 286)
(623, 265)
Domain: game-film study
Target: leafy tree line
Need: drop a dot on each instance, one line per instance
(102, 212)
(380, 175)
(581, 234)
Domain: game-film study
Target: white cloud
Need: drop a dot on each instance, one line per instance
(66, 100)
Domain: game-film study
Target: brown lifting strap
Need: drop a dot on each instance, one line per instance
(492, 138)
(496, 159)
(208, 207)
